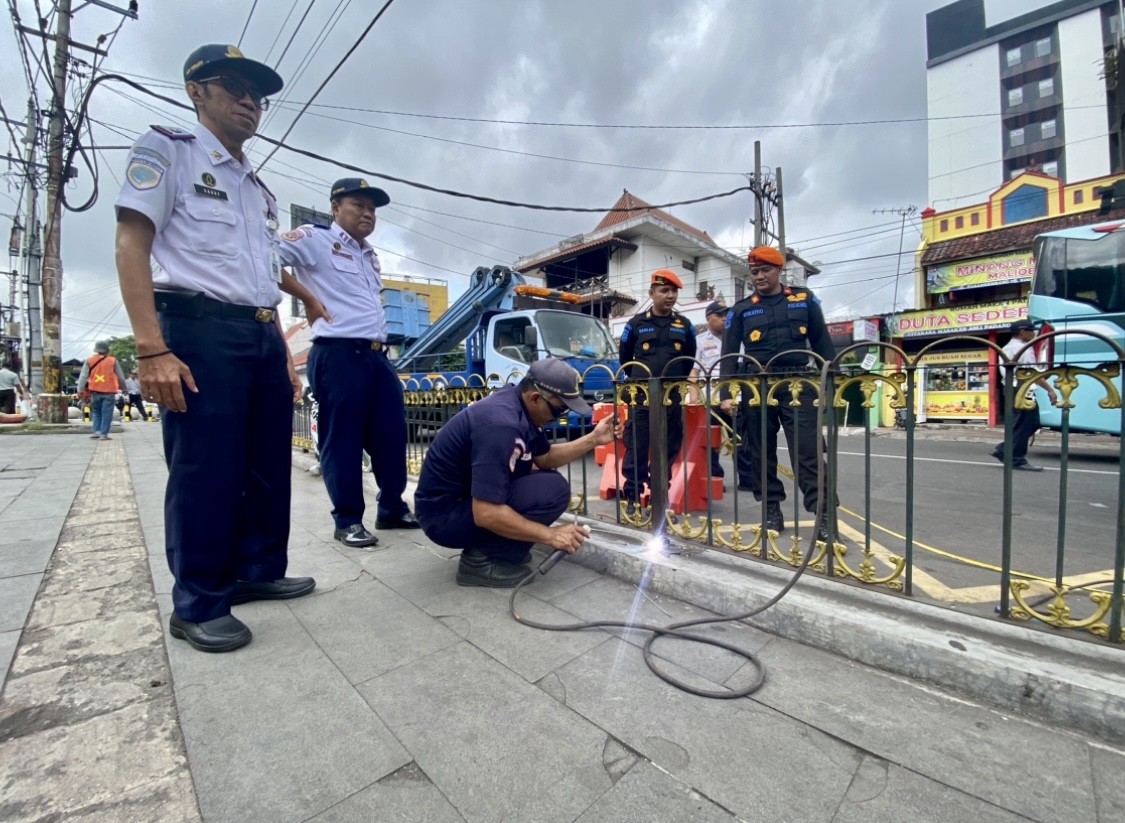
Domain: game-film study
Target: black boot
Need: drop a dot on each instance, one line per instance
(822, 529)
(478, 569)
(775, 520)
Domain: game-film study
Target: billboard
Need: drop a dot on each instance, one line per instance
(953, 321)
(1016, 267)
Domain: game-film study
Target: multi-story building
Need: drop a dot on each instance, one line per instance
(613, 263)
(972, 281)
(1043, 72)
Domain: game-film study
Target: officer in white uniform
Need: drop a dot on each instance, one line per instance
(210, 347)
(709, 348)
(358, 394)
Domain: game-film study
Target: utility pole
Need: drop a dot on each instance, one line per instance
(30, 263)
(51, 404)
(759, 211)
(780, 214)
(904, 212)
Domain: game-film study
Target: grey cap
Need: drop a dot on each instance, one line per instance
(716, 308)
(1021, 325)
(101, 347)
(558, 378)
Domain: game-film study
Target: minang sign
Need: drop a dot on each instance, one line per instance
(986, 271)
(953, 321)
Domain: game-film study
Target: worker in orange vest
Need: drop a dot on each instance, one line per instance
(100, 380)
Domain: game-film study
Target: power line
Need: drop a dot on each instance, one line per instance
(522, 153)
(412, 183)
(327, 79)
(663, 126)
(281, 30)
(293, 36)
(249, 17)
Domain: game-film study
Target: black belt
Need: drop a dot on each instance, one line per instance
(197, 305)
(354, 342)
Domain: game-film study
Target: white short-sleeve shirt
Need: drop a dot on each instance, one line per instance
(216, 224)
(341, 273)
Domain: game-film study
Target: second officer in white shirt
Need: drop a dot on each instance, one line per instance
(358, 393)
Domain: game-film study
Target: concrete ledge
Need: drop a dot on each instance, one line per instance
(1061, 680)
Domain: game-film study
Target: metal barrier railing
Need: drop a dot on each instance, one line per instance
(685, 498)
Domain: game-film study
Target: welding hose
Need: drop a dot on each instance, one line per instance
(676, 629)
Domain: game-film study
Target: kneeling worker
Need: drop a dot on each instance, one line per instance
(478, 490)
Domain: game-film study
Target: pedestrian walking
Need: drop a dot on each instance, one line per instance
(100, 381)
(133, 392)
(653, 339)
(772, 320)
(709, 346)
(359, 396)
(210, 348)
(11, 389)
(488, 484)
(1026, 422)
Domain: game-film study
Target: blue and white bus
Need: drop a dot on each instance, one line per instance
(1079, 284)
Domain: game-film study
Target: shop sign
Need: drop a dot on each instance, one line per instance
(930, 322)
(865, 331)
(953, 358)
(986, 271)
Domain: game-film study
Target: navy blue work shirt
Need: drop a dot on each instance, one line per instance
(479, 453)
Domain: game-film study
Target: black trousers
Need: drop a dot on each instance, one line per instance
(226, 507)
(135, 402)
(359, 408)
(635, 464)
(1024, 426)
(801, 436)
(541, 496)
(8, 401)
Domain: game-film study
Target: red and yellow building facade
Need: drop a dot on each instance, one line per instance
(972, 278)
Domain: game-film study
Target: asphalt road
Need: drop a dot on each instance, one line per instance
(958, 505)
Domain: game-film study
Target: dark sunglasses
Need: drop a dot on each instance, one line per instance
(237, 89)
(556, 411)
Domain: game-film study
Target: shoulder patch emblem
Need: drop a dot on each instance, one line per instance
(293, 236)
(798, 297)
(174, 132)
(144, 173)
(153, 153)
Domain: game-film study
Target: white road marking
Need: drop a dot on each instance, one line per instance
(971, 462)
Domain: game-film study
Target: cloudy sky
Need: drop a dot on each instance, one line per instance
(652, 62)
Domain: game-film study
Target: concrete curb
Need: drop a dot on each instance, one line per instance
(1046, 676)
(1061, 680)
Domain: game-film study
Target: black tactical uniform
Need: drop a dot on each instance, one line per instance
(763, 326)
(654, 341)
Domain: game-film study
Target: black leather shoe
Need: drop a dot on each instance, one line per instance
(406, 521)
(356, 537)
(998, 454)
(284, 589)
(223, 634)
(1027, 467)
(477, 569)
(775, 520)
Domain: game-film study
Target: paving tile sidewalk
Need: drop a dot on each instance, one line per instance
(393, 694)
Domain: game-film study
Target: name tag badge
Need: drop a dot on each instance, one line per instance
(210, 191)
(275, 264)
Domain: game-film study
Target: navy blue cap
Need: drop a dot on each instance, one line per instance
(716, 308)
(560, 379)
(1022, 325)
(357, 185)
(206, 60)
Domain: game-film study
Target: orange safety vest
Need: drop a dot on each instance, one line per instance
(103, 376)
